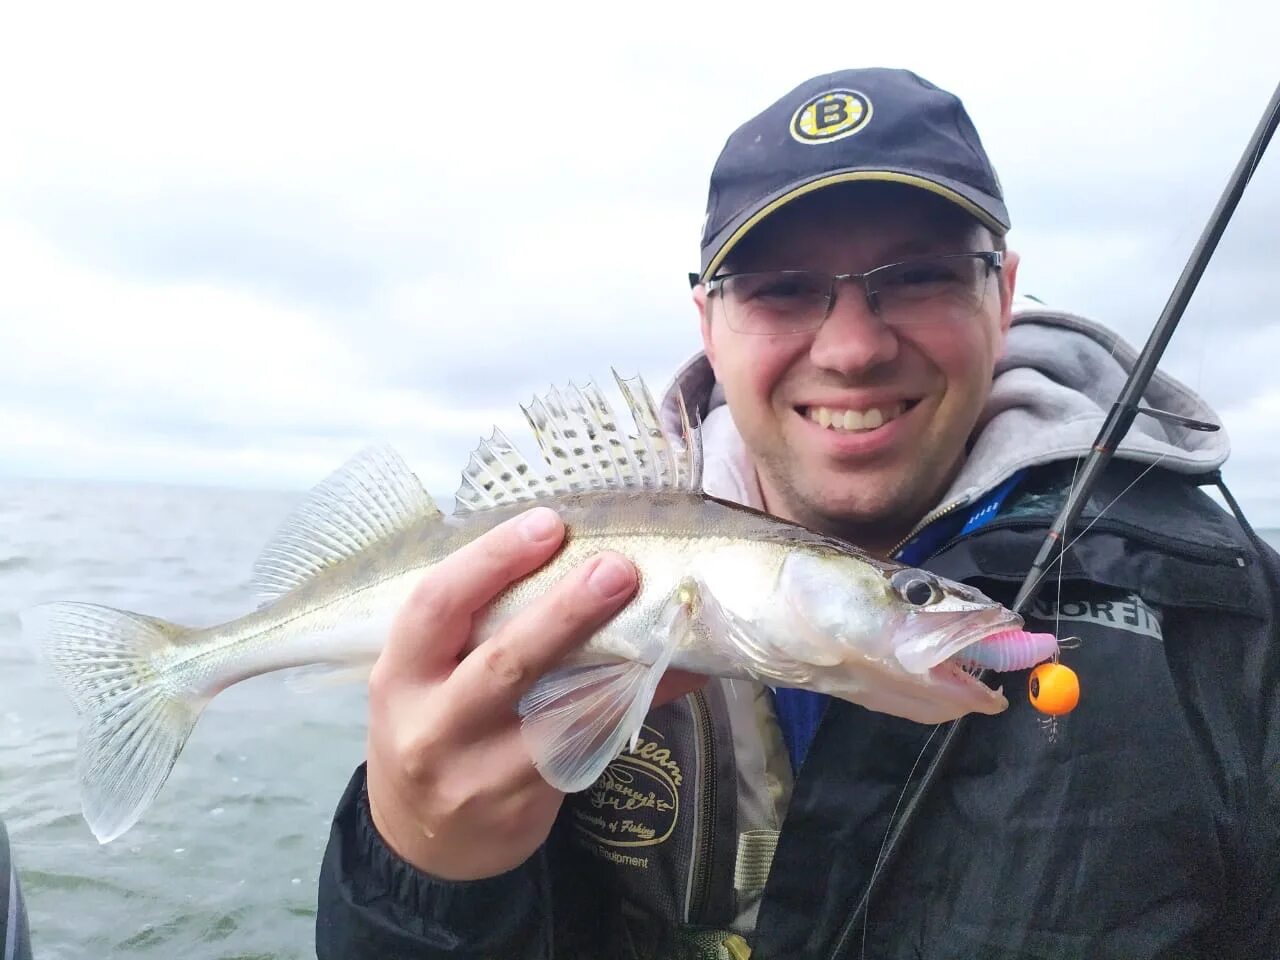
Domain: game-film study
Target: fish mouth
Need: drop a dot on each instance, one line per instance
(948, 634)
(980, 697)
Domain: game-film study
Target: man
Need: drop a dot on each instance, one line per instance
(865, 372)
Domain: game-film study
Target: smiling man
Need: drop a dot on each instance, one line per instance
(857, 393)
(867, 372)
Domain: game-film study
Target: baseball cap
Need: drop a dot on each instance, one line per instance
(871, 124)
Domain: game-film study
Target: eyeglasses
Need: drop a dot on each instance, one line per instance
(944, 288)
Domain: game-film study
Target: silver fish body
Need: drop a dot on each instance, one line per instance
(724, 590)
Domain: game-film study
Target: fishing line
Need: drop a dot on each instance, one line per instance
(880, 857)
(1101, 513)
(1072, 491)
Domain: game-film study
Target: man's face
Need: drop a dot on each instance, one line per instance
(929, 381)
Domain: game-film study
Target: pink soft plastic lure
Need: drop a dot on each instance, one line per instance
(1009, 650)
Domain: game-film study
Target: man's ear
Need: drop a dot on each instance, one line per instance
(1008, 285)
(704, 318)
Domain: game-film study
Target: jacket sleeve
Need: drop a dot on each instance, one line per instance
(15, 942)
(1258, 892)
(373, 904)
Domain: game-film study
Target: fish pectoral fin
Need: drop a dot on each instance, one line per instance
(749, 645)
(577, 719)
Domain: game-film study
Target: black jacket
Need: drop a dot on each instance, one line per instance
(1147, 824)
(14, 940)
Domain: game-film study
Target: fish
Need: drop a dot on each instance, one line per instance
(724, 590)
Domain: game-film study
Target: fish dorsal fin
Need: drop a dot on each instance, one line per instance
(371, 497)
(584, 449)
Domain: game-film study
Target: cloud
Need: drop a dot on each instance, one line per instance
(291, 248)
(241, 242)
(1255, 462)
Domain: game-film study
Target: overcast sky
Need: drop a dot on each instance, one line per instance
(238, 244)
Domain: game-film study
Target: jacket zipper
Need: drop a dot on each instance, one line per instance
(929, 518)
(704, 826)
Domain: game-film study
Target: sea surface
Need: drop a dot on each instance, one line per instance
(224, 864)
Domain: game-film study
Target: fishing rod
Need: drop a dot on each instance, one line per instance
(1126, 407)
(1117, 424)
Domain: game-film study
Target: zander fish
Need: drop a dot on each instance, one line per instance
(724, 590)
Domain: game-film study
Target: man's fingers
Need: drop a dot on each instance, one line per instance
(493, 677)
(434, 625)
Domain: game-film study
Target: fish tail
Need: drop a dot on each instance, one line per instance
(134, 719)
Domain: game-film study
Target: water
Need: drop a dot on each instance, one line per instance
(224, 864)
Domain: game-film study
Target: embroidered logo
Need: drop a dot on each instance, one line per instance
(1129, 613)
(831, 116)
(636, 801)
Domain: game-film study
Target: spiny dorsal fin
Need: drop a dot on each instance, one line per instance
(371, 497)
(584, 448)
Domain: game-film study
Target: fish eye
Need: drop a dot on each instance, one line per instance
(916, 588)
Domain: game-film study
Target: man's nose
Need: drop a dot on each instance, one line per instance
(853, 338)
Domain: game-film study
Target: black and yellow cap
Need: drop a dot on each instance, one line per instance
(872, 124)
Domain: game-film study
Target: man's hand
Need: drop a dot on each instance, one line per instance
(452, 789)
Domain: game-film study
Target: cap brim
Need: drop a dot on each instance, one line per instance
(989, 211)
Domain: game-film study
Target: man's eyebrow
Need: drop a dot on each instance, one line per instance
(918, 246)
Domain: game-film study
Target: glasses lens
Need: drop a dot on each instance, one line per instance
(931, 289)
(781, 301)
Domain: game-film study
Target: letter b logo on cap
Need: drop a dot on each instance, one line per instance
(831, 116)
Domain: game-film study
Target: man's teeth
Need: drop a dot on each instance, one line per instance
(837, 419)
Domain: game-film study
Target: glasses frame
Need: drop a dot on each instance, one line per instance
(994, 260)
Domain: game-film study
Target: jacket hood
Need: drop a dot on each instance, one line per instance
(1051, 392)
